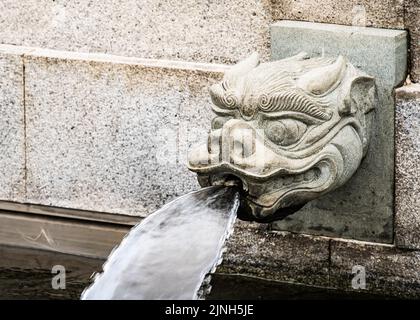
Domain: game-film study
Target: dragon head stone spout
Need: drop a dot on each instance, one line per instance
(287, 131)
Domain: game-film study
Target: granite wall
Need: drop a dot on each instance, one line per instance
(205, 31)
(99, 132)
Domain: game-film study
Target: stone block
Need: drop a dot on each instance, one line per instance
(253, 250)
(392, 14)
(407, 167)
(207, 31)
(388, 270)
(108, 134)
(382, 53)
(363, 208)
(12, 128)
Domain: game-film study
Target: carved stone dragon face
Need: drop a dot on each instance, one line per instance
(286, 131)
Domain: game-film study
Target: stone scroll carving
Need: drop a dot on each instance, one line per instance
(286, 131)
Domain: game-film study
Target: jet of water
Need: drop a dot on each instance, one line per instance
(169, 254)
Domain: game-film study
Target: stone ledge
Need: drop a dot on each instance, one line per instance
(254, 250)
(109, 58)
(389, 270)
(115, 59)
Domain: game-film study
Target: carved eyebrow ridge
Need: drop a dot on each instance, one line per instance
(293, 101)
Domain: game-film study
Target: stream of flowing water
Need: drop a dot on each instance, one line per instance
(169, 254)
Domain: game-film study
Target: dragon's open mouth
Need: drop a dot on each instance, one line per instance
(228, 179)
(244, 213)
(284, 180)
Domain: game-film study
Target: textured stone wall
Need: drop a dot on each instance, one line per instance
(98, 132)
(12, 128)
(207, 31)
(190, 30)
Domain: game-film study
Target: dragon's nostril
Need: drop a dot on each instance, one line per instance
(214, 142)
(243, 143)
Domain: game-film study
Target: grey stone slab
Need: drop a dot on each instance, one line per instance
(382, 53)
(207, 31)
(388, 270)
(107, 135)
(402, 14)
(363, 208)
(12, 144)
(253, 250)
(407, 166)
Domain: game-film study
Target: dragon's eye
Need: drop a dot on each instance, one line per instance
(285, 131)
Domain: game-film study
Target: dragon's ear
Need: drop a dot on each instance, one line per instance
(320, 80)
(360, 95)
(241, 68)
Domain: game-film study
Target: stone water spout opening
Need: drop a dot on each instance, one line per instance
(286, 132)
